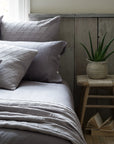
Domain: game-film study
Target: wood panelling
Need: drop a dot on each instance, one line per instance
(74, 29)
(82, 28)
(67, 59)
(107, 25)
(99, 139)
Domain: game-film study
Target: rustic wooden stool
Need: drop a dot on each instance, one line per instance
(83, 80)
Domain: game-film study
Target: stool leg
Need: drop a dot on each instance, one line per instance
(84, 104)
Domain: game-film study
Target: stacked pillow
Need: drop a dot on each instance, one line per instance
(15, 62)
(34, 35)
(0, 24)
(39, 31)
(45, 66)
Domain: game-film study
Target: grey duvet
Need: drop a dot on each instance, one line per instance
(28, 119)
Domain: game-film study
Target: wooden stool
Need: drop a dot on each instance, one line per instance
(83, 80)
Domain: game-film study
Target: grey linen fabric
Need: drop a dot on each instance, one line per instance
(45, 66)
(44, 30)
(1, 18)
(0, 25)
(15, 62)
(46, 118)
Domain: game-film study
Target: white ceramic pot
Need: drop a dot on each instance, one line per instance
(97, 70)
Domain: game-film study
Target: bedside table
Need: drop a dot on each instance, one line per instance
(83, 80)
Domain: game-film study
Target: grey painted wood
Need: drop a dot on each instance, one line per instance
(92, 15)
(67, 59)
(35, 15)
(107, 25)
(74, 29)
(82, 27)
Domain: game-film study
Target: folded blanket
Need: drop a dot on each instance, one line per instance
(47, 118)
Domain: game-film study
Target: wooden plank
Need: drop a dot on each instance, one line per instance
(99, 139)
(37, 15)
(67, 59)
(101, 96)
(99, 106)
(32, 15)
(107, 25)
(82, 27)
(101, 133)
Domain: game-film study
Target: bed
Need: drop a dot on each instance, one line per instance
(36, 105)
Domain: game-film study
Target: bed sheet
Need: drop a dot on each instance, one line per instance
(41, 92)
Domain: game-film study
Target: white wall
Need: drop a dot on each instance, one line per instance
(72, 6)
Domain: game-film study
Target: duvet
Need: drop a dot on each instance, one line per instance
(33, 116)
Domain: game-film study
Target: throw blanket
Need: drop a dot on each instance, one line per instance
(48, 118)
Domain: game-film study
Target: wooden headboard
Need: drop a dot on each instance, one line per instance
(74, 29)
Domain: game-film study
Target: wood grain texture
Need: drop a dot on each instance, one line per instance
(74, 29)
(82, 28)
(67, 59)
(99, 139)
(37, 15)
(107, 25)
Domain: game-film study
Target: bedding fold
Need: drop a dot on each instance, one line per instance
(57, 120)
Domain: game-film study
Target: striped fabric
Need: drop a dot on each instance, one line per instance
(15, 62)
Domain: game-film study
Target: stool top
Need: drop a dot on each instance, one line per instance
(83, 80)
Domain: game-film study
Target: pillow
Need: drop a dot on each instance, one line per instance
(15, 62)
(0, 24)
(44, 30)
(45, 66)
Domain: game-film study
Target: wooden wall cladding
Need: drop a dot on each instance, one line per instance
(74, 29)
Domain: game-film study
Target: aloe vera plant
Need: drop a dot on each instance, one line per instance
(100, 54)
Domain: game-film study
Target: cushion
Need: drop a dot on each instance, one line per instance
(44, 30)
(15, 62)
(45, 66)
(0, 24)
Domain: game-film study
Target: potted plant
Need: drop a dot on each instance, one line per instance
(97, 65)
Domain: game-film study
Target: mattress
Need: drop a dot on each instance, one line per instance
(40, 92)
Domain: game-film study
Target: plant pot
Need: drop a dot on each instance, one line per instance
(97, 70)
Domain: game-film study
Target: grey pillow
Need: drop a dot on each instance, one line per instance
(15, 62)
(44, 30)
(45, 66)
(0, 24)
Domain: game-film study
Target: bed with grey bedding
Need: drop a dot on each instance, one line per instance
(38, 113)
(39, 110)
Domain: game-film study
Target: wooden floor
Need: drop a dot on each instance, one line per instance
(99, 139)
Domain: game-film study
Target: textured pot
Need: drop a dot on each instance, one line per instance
(97, 70)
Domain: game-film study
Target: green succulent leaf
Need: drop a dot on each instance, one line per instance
(91, 45)
(108, 55)
(86, 50)
(101, 44)
(106, 48)
(100, 52)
